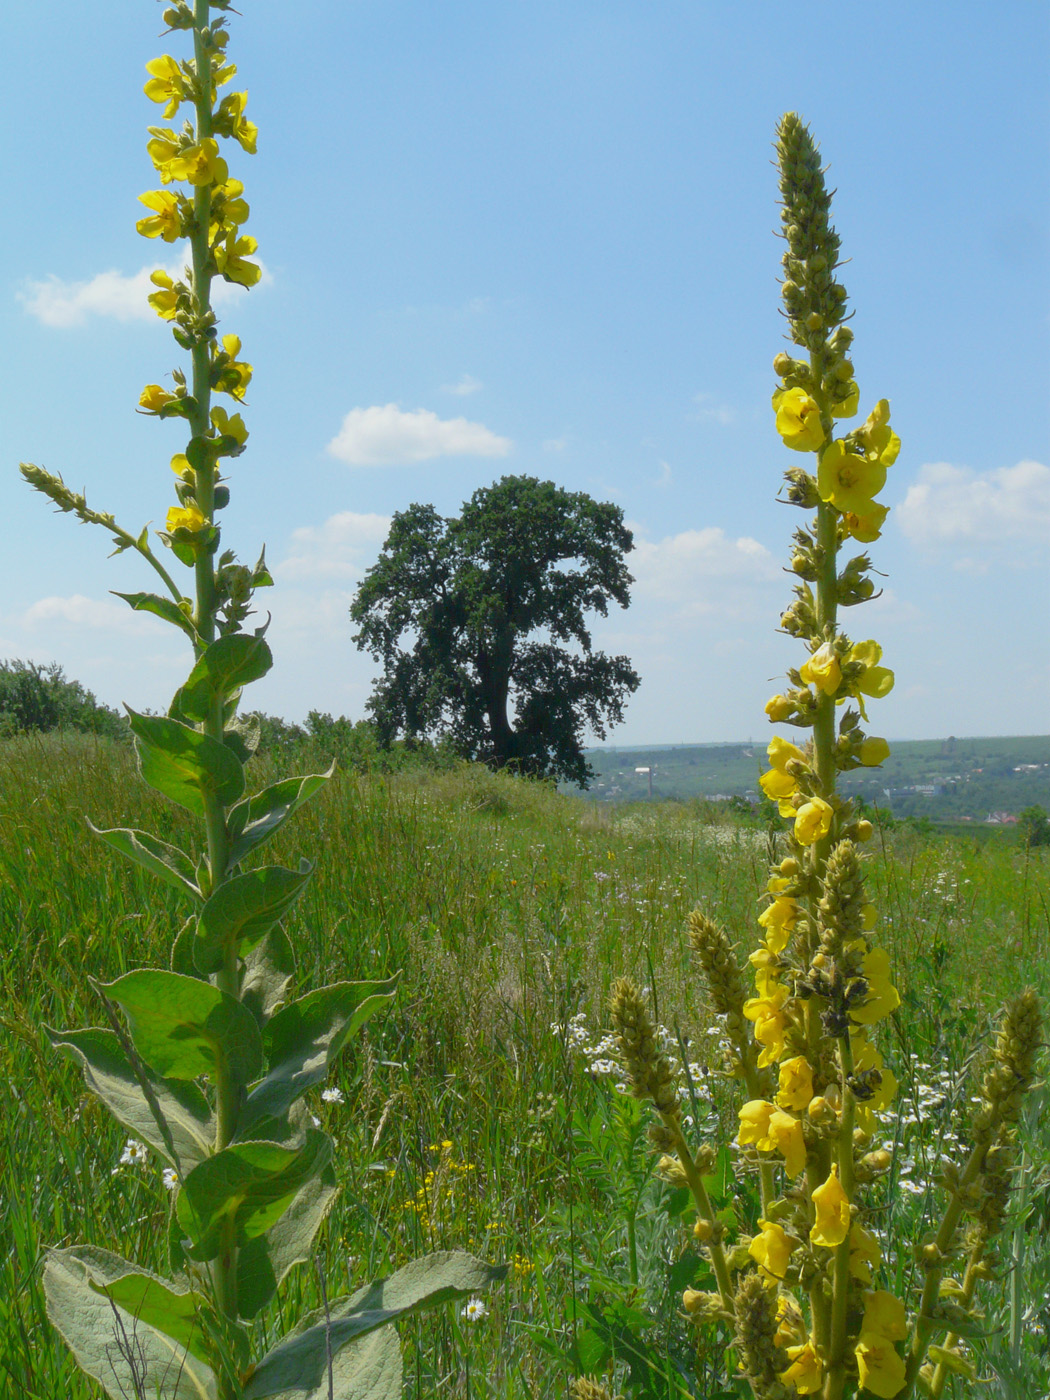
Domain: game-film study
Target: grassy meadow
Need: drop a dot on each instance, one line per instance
(472, 1115)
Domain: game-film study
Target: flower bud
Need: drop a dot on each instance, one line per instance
(703, 1230)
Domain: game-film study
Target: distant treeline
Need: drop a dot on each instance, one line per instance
(36, 699)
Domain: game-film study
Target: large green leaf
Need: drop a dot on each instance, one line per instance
(244, 909)
(263, 1263)
(268, 972)
(155, 855)
(109, 1075)
(303, 1039)
(246, 1189)
(225, 666)
(368, 1368)
(88, 1293)
(300, 1362)
(183, 1027)
(255, 820)
(185, 764)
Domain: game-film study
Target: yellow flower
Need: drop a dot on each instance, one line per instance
(822, 669)
(153, 398)
(791, 1326)
(228, 209)
(796, 1083)
(879, 1366)
(813, 821)
(236, 374)
(832, 1207)
(781, 752)
(847, 407)
(777, 785)
(200, 164)
(798, 419)
(230, 260)
(874, 680)
(771, 1251)
(878, 440)
(864, 1253)
(785, 1137)
(166, 84)
(882, 998)
(164, 302)
(873, 751)
(805, 1373)
(242, 130)
(770, 1023)
(778, 708)
(850, 482)
(162, 149)
(164, 222)
(180, 465)
(185, 518)
(778, 920)
(754, 1122)
(229, 426)
(884, 1316)
(866, 524)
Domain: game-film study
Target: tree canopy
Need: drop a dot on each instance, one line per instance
(480, 622)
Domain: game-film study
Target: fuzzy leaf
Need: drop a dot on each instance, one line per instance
(255, 820)
(368, 1368)
(263, 1264)
(244, 909)
(165, 608)
(171, 864)
(185, 764)
(247, 1187)
(303, 1039)
(299, 1363)
(225, 666)
(268, 971)
(183, 1028)
(108, 1074)
(100, 1331)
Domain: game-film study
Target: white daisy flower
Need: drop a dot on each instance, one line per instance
(170, 1178)
(332, 1096)
(135, 1154)
(473, 1310)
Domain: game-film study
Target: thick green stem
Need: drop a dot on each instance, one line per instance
(704, 1207)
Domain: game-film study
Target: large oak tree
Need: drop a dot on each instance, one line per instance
(480, 623)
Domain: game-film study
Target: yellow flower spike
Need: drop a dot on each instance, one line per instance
(864, 1253)
(153, 398)
(165, 221)
(866, 526)
(166, 84)
(796, 1084)
(849, 481)
(873, 751)
(822, 669)
(798, 419)
(813, 821)
(785, 1136)
(164, 301)
(806, 1372)
(832, 1208)
(185, 518)
(771, 1251)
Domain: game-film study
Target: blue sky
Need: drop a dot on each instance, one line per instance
(538, 238)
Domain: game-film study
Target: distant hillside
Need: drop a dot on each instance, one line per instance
(950, 780)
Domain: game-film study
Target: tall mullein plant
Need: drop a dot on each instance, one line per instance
(207, 1062)
(802, 1296)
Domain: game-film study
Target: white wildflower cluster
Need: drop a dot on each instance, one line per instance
(135, 1154)
(332, 1095)
(928, 1133)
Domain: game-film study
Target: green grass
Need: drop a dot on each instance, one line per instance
(509, 909)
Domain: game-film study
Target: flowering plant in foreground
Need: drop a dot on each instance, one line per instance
(208, 1063)
(805, 1295)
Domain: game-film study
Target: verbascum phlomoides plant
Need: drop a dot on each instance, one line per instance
(803, 1293)
(207, 1061)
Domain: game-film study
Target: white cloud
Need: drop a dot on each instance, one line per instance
(708, 411)
(385, 434)
(701, 572)
(666, 475)
(342, 548)
(949, 503)
(554, 444)
(57, 302)
(96, 614)
(466, 385)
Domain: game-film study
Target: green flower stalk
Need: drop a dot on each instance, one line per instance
(808, 1313)
(206, 1063)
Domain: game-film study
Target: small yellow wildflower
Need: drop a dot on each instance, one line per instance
(879, 441)
(805, 1373)
(813, 821)
(180, 465)
(798, 419)
(832, 1207)
(785, 1136)
(164, 301)
(796, 1083)
(164, 222)
(822, 669)
(153, 398)
(227, 425)
(873, 751)
(185, 518)
(864, 1252)
(866, 524)
(771, 1251)
(166, 84)
(883, 997)
(770, 1024)
(850, 482)
(879, 1366)
(231, 260)
(778, 920)
(779, 708)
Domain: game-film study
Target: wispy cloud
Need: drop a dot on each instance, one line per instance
(465, 385)
(56, 301)
(342, 548)
(702, 572)
(709, 411)
(94, 614)
(386, 434)
(947, 504)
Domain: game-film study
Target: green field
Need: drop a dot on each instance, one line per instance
(951, 780)
(470, 1116)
